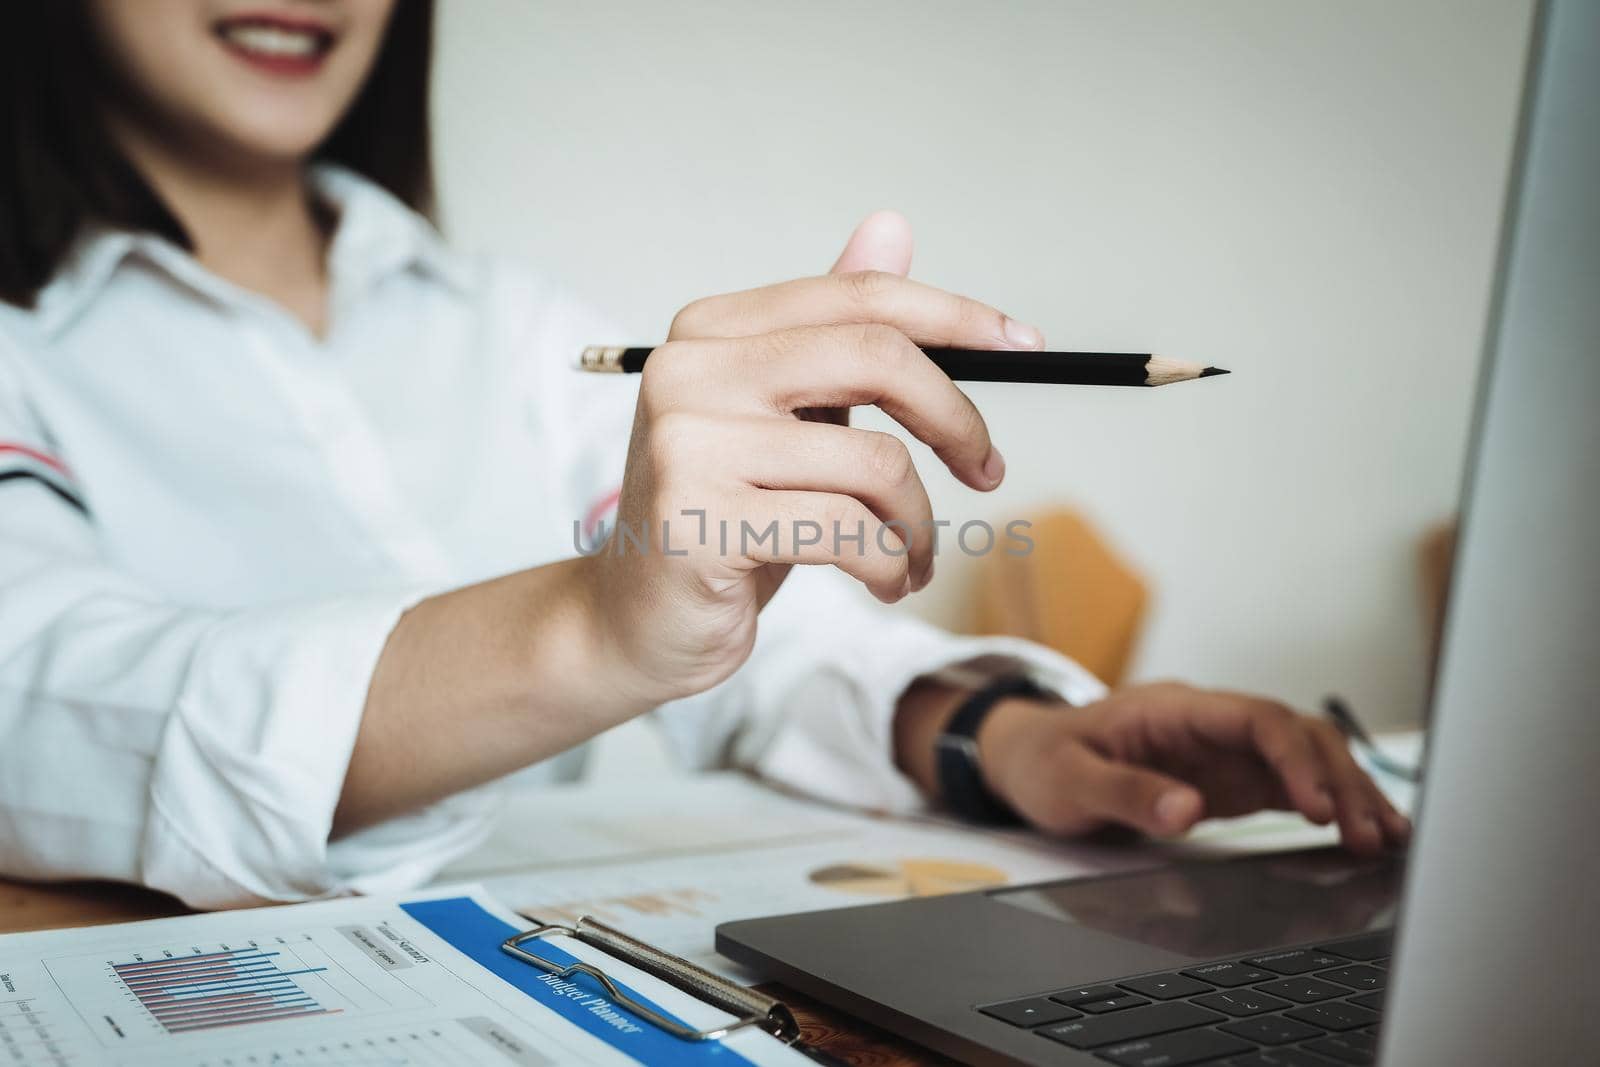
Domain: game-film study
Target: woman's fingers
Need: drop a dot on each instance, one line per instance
(874, 468)
(740, 485)
(927, 315)
(786, 526)
(828, 367)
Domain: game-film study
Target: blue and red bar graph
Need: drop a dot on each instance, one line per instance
(214, 989)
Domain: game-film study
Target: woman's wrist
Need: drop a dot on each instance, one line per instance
(620, 690)
(481, 681)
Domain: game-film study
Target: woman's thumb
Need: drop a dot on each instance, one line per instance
(881, 242)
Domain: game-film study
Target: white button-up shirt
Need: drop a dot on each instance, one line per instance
(210, 521)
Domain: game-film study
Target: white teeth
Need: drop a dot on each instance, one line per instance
(272, 41)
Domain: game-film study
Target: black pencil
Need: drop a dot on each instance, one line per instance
(979, 365)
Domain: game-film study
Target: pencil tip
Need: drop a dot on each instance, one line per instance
(1209, 371)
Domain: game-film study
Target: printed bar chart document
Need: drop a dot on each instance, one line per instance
(415, 981)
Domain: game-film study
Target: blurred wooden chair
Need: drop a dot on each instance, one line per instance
(1072, 593)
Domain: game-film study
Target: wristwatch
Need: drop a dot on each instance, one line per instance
(961, 786)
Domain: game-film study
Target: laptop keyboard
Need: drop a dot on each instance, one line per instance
(1303, 1007)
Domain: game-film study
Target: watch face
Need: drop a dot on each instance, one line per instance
(962, 743)
(961, 786)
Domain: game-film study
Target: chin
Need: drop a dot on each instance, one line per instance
(280, 146)
(273, 137)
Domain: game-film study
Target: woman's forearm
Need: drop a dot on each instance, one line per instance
(485, 680)
(479, 682)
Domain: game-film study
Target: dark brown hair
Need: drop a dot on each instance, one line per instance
(60, 167)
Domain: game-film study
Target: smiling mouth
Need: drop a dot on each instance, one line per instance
(278, 45)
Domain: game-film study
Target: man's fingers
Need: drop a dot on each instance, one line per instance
(927, 315)
(1146, 800)
(1284, 742)
(1367, 821)
(1277, 734)
(1311, 759)
(830, 367)
(881, 242)
(875, 468)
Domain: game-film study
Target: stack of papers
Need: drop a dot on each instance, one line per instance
(417, 981)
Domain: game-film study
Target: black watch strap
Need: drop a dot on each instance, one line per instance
(961, 786)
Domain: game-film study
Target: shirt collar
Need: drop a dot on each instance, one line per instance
(84, 270)
(377, 236)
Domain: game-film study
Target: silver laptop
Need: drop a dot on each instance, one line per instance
(1487, 950)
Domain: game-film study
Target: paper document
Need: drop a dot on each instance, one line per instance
(726, 847)
(669, 861)
(415, 981)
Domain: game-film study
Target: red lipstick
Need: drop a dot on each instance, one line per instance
(277, 44)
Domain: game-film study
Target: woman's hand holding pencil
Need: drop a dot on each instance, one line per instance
(738, 427)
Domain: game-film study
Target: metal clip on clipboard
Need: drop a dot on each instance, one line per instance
(750, 1007)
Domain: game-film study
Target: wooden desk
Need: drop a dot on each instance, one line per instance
(27, 906)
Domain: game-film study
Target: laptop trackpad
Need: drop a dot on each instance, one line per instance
(1207, 910)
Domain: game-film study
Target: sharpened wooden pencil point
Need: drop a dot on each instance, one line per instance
(1209, 371)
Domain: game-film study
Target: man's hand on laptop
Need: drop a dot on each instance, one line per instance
(1159, 758)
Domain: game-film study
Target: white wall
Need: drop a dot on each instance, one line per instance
(1305, 193)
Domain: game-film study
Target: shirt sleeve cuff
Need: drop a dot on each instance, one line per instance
(252, 762)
